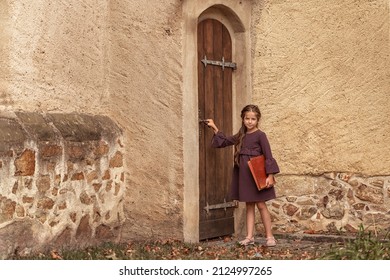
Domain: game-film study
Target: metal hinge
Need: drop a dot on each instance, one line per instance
(224, 205)
(222, 63)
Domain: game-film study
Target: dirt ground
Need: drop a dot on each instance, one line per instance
(289, 247)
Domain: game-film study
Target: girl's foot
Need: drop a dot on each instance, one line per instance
(247, 241)
(271, 242)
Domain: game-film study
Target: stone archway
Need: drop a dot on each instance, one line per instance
(236, 17)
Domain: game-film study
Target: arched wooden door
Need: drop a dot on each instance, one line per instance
(215, 69)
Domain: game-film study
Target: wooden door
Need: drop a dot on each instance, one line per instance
(215, 102)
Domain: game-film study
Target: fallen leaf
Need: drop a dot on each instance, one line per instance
(55, 255)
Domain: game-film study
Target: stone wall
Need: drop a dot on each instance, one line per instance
(61, 181)
(331, 203)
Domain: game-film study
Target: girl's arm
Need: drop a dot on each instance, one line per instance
(271, 165)
(219, 139)
(210, 123)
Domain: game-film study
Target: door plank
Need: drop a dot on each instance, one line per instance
(216, 228)
(227, 108)
(209, 107)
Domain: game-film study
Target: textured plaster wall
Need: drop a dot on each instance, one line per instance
(53, 55)
(119, 58)
(321, 74)
(146, 92)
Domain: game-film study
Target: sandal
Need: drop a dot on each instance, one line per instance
(271, 242)
(247, 241)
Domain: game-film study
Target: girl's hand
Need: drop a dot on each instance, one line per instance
(270, 181)
(210, 123)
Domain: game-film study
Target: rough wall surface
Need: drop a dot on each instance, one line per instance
(145, 90)
(119, 58)
(61, 181)
(332, 203)
(146, 81)
(53, 55)
(321, 73)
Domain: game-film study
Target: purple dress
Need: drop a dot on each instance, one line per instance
(243, 186)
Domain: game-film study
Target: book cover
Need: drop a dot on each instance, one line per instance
(257, 167)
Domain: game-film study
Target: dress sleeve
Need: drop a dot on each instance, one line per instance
(271, 166)
(220, 140)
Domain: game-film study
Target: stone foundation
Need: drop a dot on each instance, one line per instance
(331, 203)
(61, 181)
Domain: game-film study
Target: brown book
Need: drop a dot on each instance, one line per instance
(257, 167)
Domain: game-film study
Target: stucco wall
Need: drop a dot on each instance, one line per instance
(119, 58)
(321, 74)
(53, 55)
(145, 90)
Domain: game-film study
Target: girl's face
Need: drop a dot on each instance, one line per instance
(250, 121)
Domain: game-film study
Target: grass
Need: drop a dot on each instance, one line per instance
(364, 247)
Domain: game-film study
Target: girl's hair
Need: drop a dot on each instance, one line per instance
(241, 133)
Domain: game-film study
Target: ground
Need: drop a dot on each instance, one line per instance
(363, 246)
(289, 247)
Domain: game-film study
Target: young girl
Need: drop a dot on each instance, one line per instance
(250, 142)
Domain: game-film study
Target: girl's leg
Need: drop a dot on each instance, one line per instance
(250, 219)
(250, 223)
(266, 218)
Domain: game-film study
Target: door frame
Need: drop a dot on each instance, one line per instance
(236, 18)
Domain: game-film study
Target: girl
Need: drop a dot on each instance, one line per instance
(250, 142)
